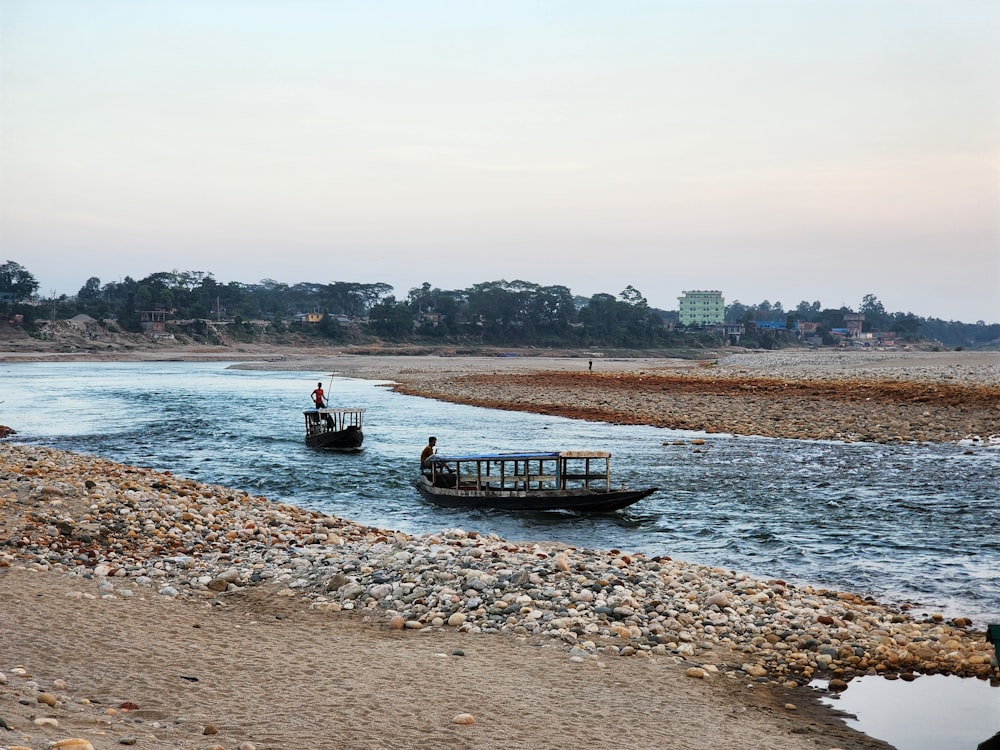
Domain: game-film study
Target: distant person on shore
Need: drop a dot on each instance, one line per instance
(319, 398)
(590, 365)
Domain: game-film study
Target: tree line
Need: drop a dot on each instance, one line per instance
(495, 313)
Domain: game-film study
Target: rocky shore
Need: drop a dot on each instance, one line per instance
(128, 525)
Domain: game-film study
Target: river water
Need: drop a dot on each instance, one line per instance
(905, 524)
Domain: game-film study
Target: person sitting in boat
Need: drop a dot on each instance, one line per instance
(440, 478)
(426, 453)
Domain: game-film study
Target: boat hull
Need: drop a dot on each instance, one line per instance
(334, 429)
(350, 439)
(544, 500)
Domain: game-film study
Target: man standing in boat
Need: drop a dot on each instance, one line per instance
(319, 397)
(320, 400)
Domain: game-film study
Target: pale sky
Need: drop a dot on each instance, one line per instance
(815, 150)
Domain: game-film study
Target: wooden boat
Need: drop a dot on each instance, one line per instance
(578, 481)
(334, 429)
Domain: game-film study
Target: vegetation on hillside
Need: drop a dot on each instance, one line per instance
(495, 313)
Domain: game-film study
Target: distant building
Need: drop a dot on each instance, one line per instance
(153, 321)
(702, 308)
(429, 319)
(311, 318)
(733, 331)
(854, 322)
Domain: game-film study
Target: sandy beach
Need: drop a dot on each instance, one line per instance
(141, 608)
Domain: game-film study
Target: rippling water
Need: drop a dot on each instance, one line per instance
(913, 523)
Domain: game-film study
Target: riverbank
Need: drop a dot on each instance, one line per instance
(143, 606)
(824, 394)
(875, 396)
(529, 640)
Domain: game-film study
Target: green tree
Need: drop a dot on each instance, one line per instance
(736, 311)
(870, 305)
(874, 312)
(391, 319)
(370, 294)
(632, 297)
(17, 282)
(498, 305)
(906, 326)
(90, 291)
(600, 319)
(90, 299)
(807, 310)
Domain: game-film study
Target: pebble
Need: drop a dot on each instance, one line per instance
(176, 536)
(73, 743)
(464, 719)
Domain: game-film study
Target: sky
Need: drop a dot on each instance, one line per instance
(778, 150)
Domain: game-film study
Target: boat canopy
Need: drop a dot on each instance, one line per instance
(529, 471)
(333, 411)
(320, 421)
(527, 456)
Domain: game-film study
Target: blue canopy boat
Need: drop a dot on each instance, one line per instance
(578, 481)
